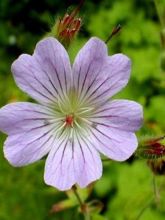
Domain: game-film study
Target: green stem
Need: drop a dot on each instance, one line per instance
(83, 206)
(158, 12)
(87, 216)
(155, 188)
(156, 191)
(156, 197)
(77, 196)
(143, 209)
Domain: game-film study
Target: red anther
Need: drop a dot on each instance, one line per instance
(69, 120)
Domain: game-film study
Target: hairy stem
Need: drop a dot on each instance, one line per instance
(155, 189)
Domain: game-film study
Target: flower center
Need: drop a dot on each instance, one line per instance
(69, 120)
(72, 115)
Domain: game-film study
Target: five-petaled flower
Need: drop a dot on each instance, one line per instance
(75, 119)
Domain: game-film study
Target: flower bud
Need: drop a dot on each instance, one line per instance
(157, 166)
(153, 150)
(66, 28)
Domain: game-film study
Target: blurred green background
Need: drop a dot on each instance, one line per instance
(126, 189)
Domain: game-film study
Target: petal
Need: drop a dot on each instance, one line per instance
(122, 114)
(98, 76)
(21, 116)
(87, 161)
(72, 161)
(88, 63)
(114, 143)
(46, 75)
(31, 132)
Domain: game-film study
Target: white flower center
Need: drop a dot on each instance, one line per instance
(72, 114)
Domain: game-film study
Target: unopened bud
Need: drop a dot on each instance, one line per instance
(152, 148)
(67, 27)
(157, 166)
(115, 30)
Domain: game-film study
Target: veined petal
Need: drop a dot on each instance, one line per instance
(46, 75)
(88, 163)
(72, 161)
(88, 64)
(98, 76)
(122, 114)
(114, 143)
(113, 76)
(22, 116)
(31, 132)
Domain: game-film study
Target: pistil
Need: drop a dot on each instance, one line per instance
(69, 120)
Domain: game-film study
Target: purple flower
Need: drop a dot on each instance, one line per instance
(75, 119)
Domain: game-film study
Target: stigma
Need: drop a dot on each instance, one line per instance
(69, 120)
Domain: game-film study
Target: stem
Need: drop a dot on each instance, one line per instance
(155, 189)
(77, 196)
(158, 12)
(83, 206)
(143, 209)
(156, 197)
(87, 216)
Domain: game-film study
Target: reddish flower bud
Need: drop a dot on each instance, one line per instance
(152, 148)
(157, 166)
(68, 26)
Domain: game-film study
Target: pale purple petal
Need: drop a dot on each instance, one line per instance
(114, 143)
(98, 76)
(72, 161)
(21, 116)
(122, 114)
(87, 161)
(46, 75)
(31, 132)
(88, 64)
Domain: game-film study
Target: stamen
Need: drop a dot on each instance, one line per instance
(60, 107)
(85, 110)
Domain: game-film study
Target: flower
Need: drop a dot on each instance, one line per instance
(75, 119)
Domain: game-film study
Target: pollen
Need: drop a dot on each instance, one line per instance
(69, 120)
